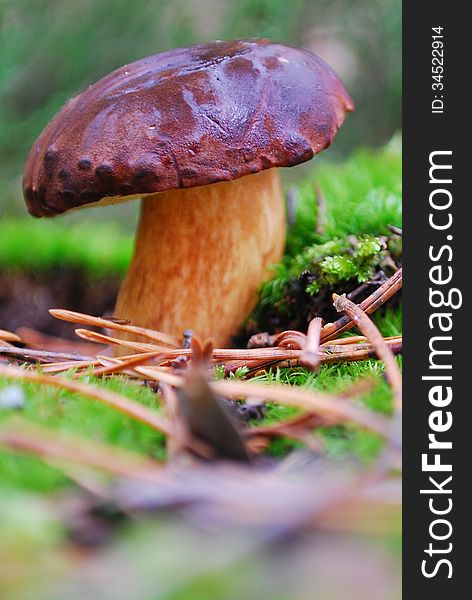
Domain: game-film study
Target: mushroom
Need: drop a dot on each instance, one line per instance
(197, 133)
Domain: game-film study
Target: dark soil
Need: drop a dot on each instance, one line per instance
(25, 299)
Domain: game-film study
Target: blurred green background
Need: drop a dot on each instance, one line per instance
(52, 49)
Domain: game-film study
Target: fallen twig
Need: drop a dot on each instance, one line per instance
(123, 364)
(41, 356)
(149, 334)
(59, 367)
(102, 338)
(395, 229)
(381, 348)
(310, 357)
(37, 340)
(369, 305)
(8, 336)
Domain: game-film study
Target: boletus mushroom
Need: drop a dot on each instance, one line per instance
(198, 134)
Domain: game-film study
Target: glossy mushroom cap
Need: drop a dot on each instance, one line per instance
(187, 117)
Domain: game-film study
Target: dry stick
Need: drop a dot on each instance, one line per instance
(40, 441)
(111, 361)
(130, 372)
(121, 365)
(252, 365)
(254, 358)
(41, 341)
(261, 358)
(83, 319)
(355, 339)
(219, 354)
(120, 403)
(358, 355)
(290, 359)
(101, 338)
(341, 349)
(324, 404)
(293, 340)
(310, 357)
(223, 354)
(42, 356)
(255, 354)
(369, 305)
(376, 280)
(367, 327)
(330, 353)
(8, 336)
(290, 339)
(396, 230)
(58, 367)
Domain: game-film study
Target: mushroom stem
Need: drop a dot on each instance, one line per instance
(201, 254)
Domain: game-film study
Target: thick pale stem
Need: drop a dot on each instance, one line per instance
(201, 255)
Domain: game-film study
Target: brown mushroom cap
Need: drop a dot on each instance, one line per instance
(187, 117)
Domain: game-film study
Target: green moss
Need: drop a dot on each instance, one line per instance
(40, 246)
(327, 265)
(362, 196)
(63, 411)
